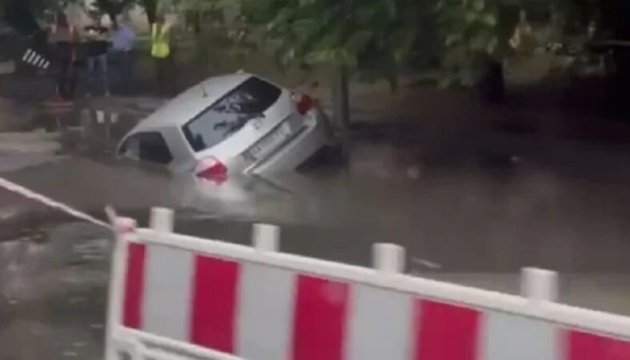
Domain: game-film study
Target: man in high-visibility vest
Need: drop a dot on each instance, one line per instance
(162, 54)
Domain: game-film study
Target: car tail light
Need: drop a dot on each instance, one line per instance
(211, 169)
(303, 103)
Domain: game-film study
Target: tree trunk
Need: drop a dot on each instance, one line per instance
(193, 21)
(491, 87)
(341, 95)
(341, 106)
(150, 7)
(113, 17)
(617, 12)
(19, 15)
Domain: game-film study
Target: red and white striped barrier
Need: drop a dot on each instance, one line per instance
(180, 297)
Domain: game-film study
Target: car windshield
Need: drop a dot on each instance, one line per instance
(229, 114)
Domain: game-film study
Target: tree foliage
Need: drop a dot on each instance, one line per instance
(112, 7)
(381, 38)
(23, 15)
(375, 37)
(469, 34)
(195, 5)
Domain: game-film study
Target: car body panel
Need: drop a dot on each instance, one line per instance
(300, 148)
(278, 139)
(180, 149)
(230, 150)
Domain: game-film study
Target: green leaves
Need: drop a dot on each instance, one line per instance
(374, 38)
(478, 5)
(489, 19)
(112, 7)
(468, 30)
(367, 36)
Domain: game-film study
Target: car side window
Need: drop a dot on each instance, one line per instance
(146, 146)
(229, 114)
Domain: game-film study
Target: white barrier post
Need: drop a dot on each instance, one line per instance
(539, 285)
(388, 258)
(161, 220)
(100, 116)
(85, 123)
(266, 237)
(124, 232)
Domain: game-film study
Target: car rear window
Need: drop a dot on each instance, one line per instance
(230, 113)
(146, 146)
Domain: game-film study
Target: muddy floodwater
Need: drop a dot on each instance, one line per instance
(476, 222)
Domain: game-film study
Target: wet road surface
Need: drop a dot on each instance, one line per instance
(53, 295)
(479, 226)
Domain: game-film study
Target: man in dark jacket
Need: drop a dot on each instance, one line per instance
(97, 37)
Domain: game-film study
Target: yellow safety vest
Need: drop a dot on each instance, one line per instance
(159, 41)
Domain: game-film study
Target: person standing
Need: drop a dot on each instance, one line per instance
(64, 39)
(96, 49)
(123, 43)
(162, 55)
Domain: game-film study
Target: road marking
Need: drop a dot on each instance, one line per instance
(42, 199)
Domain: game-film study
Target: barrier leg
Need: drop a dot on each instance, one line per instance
(389, 258)
(539, 285)
(85, 123)
(266, 237)
(124, 231)
(161, 220)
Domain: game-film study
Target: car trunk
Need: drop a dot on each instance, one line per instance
(260, 137)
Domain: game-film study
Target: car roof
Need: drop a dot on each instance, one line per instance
(191, 102)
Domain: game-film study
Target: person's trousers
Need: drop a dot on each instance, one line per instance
(165, 75)
(97, 72)
(124, 62)
(66, 78)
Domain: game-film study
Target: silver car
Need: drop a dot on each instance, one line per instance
(232, 123)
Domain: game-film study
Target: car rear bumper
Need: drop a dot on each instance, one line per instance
(299, 149)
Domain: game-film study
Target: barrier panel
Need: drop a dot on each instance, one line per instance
(181, 297)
